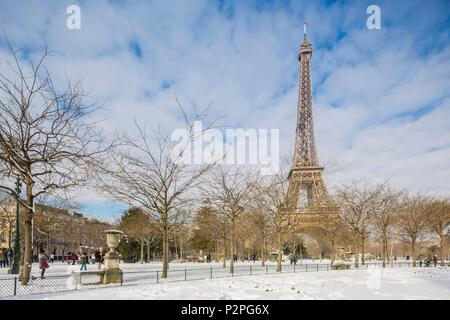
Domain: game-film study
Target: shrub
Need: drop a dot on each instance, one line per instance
(340, 266)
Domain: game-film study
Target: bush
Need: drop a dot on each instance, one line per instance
(340, 266)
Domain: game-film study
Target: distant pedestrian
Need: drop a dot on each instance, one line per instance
(93, 258)
(435, 259)
(84, 261)
(102, 255)
(10, 254)
(2, 257)
(52, 257)
(74, 258)
(43, 262)
(98, 259)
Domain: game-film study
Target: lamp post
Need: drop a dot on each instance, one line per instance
(15, 267)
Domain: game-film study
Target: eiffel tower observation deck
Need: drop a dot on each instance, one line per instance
(307, 194)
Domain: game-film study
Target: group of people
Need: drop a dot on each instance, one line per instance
(427, 262)
(96, 258)
(6, 257)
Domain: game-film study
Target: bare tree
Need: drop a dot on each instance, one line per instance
(229, 191)
(149, 171)
(333, 229)
(272, 195)
(262, 222)
(137, 225)
(45, 140)
(94, 233)
(209, 229)
(46, 226)
(412, 221)
(438, 219)
(356, 203)
(180, 230)
(386, 206)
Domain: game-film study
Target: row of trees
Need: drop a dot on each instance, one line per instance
(384, 213)
(240, 206)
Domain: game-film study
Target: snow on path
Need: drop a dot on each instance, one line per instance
(407, 283)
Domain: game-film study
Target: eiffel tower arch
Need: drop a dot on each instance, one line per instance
(309, 203)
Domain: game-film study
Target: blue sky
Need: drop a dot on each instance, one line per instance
(381, 97)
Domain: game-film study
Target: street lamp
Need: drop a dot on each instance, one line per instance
(15, 267)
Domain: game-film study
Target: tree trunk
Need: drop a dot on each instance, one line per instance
(263, 245)
(28, 251)
(141, 260)
(333, 247)
(224, 252)
(413, 247)
(356, 252)
(216, 249)
(181, 249)
(28, 230)
(363, 245)
(48, 244)
(148, 252)
(232, 247)
(176, 247)
(280, 250)
(442, 249)
(167, 250)
(383, 251)
(165, 254)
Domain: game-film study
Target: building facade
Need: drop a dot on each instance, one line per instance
(56, 230)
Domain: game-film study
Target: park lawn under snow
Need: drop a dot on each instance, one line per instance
(406, 283)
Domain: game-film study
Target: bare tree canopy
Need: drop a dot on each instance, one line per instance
(412, 221)
(46, 140)
(438, 219)
(146, 172)
(356, 204)
(230, 192)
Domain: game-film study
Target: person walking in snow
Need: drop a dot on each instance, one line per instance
(2, 257)
(43, 262)
(102, 254)
(84, 261)
(10, 254)
(74, 257)
(98, 259)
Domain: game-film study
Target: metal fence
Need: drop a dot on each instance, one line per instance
(11, 285)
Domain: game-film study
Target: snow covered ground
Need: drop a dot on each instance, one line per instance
(395, 283)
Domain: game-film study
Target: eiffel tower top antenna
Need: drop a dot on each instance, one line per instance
(304, 31)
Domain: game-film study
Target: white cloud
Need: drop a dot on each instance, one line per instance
(373, 89)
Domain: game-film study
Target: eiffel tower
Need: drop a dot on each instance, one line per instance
(308, 197)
